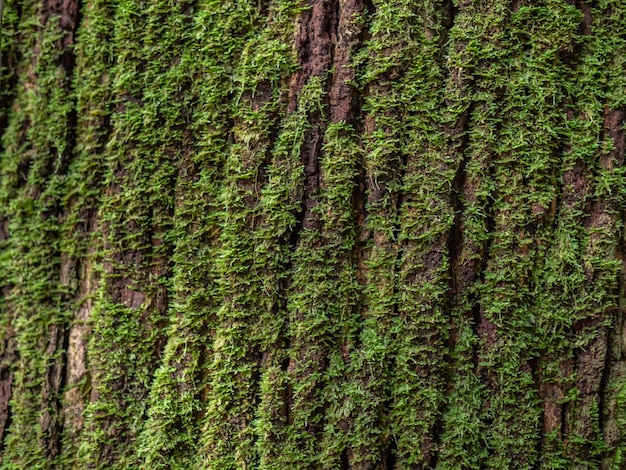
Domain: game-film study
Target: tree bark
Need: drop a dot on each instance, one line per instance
(334, 234)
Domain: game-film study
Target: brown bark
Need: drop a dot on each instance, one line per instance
(334, 234)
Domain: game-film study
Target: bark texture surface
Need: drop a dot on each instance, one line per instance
(313, 234)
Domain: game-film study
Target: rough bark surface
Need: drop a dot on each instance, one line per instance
(347, 234)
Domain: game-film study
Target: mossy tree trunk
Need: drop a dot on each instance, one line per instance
(334, 234)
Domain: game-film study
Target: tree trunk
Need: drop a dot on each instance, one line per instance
(342, 234)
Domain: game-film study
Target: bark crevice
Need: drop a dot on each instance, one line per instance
(8, 358)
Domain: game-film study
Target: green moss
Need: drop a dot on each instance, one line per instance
(437, 290)
(33, 167)
(141, 168)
